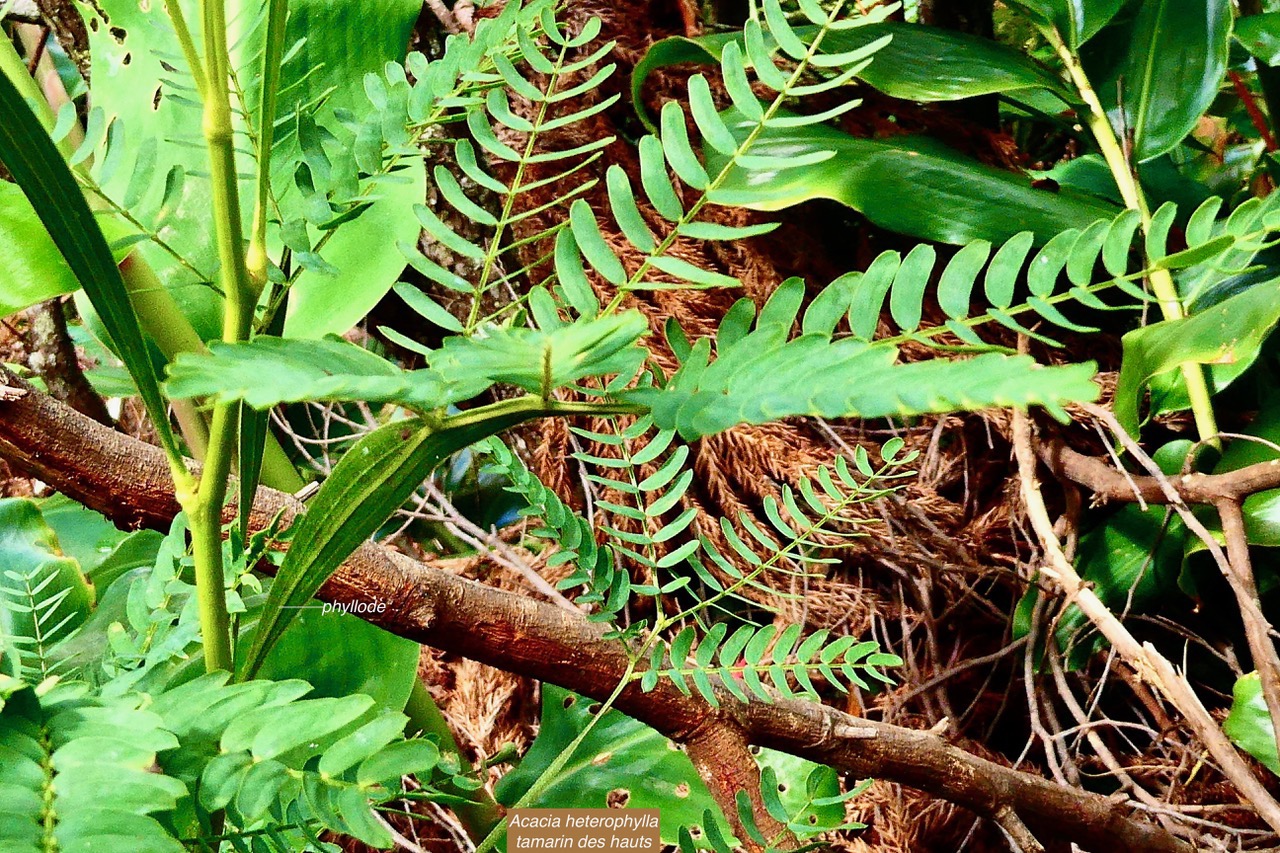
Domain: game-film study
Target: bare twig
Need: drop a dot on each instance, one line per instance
(129, 481)
(1150, 664)
(1017, 831)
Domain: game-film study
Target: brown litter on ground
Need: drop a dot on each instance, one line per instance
(944, 560)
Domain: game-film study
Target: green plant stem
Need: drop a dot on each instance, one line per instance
(548, 775)
(256, 260)
(1162, 284)
(480, 817)
(173, 9)
(205, 510)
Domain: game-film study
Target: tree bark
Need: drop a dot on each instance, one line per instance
(128, 481)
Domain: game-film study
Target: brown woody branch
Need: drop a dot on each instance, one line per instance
(1195, 488)
(128, 481)
(1226, 493)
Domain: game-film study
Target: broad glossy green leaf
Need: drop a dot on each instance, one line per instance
(1261, 510)
(31, 266)
(1075, 20)
(911, 185)
(1227, 334)
(1176, 63)
(342, 655)
(800, 783)
(103, 551)
(920, 63)
(924, 63)
(620, 756)
(1260, 35)
(1249, 724)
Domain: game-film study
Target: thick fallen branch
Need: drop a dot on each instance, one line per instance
(128, 481)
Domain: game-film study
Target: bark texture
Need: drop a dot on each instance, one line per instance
(128, 481)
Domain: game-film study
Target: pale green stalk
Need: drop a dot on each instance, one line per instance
(1162, 285)
(205, 508)
(256, 259)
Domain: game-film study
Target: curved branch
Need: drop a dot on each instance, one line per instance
(128, 481)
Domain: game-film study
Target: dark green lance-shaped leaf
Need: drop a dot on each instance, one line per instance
(38, 168)
(1260, 35)
(920, 63)
(370, 482)
(911, 185)
(924, 63)
(1075, 20)
(268, 371)
(1249, 724)
(619, 755)
(1176, 62)
(1229, 333)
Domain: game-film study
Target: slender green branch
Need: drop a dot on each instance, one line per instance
(1162, 284)
(205, 510)
(173, 9)
(256, 259)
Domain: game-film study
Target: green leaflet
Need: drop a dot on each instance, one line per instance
(1176, 61)
(372, 479)
(1075, 20)
(1229, 333)
(1249, 724)
(1260, 35)
(921, 63)
(911, 185)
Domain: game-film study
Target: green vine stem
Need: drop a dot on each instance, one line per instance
(1162, 284)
